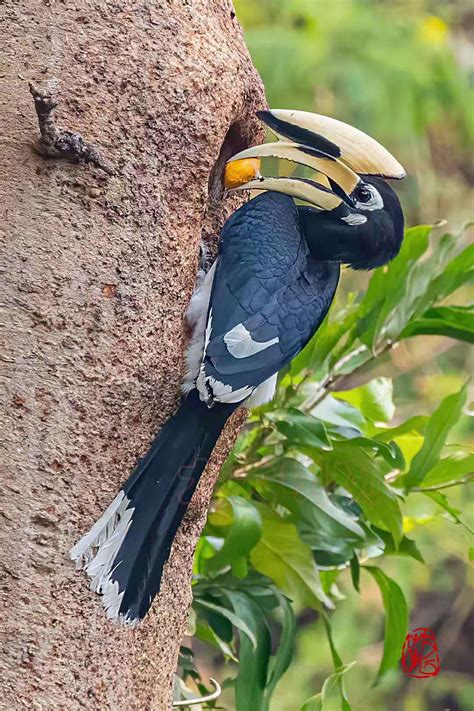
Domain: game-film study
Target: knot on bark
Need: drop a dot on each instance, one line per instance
(60, 143)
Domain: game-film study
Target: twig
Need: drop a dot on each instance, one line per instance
(202, 699)
(448, 484)
(58, 143)
(325, 387)
(331, 381)
(242, 471)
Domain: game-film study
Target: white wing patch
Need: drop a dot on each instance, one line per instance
(240, 343)
(224, 393)
(263, 393)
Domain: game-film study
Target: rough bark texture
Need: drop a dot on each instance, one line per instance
(99, 270)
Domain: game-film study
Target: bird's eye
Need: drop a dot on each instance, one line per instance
(367, 197)
(362, 193)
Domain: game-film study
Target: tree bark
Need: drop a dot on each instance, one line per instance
(99, 270)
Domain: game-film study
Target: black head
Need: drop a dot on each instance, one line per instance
(364, 235)
(358, 220)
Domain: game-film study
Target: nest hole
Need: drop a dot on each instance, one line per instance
(234, 141)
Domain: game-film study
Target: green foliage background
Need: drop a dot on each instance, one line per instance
(344, 515)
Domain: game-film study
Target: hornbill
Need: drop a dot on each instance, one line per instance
(265, 296)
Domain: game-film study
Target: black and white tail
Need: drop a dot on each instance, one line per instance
(126, 549)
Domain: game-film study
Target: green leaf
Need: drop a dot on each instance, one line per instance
(387, 286)
(229, 615)
(408, 287)
(283, 557)
(357, 472)
(186, 662)
(280, 662)
(374, 399)
(453, 513)
(459, 271)
(340, 414)
(405, 547)
(396, 620)
(301, 429)
(384, 280)
(336, 659)
(204, 551)
(456, 465)
(253, 659)
(355, 572)
(243, 534)
(335, 326)
(408, 437)
(390, 451)
(437, 430)
(205, 633)
(419, 288)
(288, 477)
(452, 321)
(338, 665)
(353, 361)
(415, 424)
(317, 703)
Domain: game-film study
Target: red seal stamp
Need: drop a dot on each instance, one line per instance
(420, 657)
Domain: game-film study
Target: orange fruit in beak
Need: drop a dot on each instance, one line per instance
(240, 172)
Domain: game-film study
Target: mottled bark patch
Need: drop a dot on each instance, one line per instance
(99, 270)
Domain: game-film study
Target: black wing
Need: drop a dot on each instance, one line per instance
(268, 298)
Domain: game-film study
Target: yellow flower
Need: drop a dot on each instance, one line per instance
(434, 30)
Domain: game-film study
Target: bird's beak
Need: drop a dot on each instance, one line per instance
(301, 188)
(336, 151)
(363, 154)
(323, 164)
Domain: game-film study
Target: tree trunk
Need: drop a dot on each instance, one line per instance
(99, 272)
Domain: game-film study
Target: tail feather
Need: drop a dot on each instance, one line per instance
(126, 549)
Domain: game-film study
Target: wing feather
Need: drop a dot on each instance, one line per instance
(268, 298)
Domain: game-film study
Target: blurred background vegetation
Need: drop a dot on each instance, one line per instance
(401, 71)
(404, 73)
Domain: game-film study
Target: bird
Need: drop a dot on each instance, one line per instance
(274, 278)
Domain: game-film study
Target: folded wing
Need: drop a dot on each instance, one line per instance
(268, 298)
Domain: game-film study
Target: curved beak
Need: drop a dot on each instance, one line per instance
(336, 151)
(305, 155)
(356, 149)
(309, 190)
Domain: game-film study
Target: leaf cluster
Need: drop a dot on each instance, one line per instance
(317, 483)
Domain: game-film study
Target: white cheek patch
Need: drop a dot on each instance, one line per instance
(240, 343)
(354, 219)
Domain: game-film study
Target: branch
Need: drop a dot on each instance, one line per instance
(448, 484)
(332, 380)
(202, 699)
(328, 384)
(58, 143)
(263, 462)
